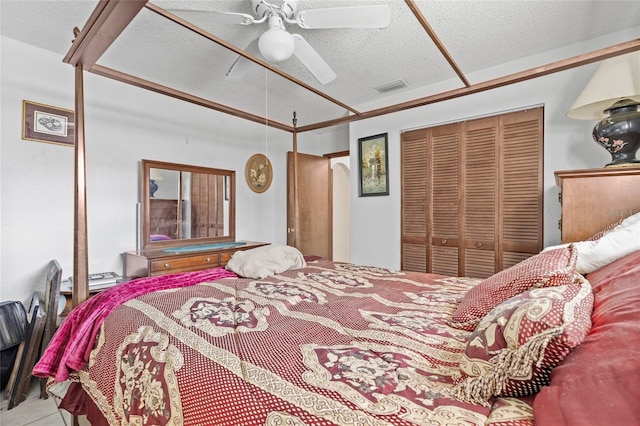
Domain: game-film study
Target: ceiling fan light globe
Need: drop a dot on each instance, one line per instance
(276, 45)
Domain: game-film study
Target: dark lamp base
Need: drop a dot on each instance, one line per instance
(620, 135)
(153, 187)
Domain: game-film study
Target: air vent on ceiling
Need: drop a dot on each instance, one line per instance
(392, 85)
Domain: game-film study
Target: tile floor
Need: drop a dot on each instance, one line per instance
(36, 412)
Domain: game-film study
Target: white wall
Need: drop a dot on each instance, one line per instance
(568, 145)
(124, 124)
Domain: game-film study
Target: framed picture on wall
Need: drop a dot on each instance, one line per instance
(373, 161)
(258, 173)
(44, 123)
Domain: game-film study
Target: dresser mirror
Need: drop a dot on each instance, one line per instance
(183, 205)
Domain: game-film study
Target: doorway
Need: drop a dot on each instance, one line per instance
(323, 215)
(341, 209)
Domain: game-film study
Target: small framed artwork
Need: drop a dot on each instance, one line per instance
(258, 173)
(44, 123)
(374, 172)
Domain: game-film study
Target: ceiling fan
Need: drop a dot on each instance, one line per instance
(276, 44)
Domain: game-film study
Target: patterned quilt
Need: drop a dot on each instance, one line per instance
(330, 344)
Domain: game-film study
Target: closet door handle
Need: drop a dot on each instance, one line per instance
(443, 241)
(478, 244)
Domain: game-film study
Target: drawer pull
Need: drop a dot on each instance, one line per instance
(443, 241)
(478, 244)
(208, 259)
(166, 265)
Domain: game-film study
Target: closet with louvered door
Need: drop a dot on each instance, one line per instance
(482, 186)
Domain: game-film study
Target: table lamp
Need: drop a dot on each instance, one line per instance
(613, 97)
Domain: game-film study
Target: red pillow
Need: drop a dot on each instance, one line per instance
(515, 347)
(546, 269)
(599, 381)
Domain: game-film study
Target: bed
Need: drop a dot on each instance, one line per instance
(325, 343)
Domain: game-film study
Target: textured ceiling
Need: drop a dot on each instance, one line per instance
(479, 36)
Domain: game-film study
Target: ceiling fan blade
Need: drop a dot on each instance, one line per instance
(345, 17)
(241, 65)
(312, 60)
(224, 18)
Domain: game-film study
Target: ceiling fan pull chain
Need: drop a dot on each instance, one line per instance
(266, 114)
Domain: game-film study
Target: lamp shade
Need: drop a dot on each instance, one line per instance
(154, 174)
(615, 79)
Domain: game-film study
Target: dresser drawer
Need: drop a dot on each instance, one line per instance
(192, 263)
(225, 257)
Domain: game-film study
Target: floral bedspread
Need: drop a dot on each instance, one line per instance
(330, 344)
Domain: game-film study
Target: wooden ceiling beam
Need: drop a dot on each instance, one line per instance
(554, 67)
(108, 19)
(436, 40)
(183, 96)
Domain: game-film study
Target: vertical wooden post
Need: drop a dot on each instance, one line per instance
(295, 181)
(80, 257)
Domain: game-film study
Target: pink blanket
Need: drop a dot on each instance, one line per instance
(71, 345)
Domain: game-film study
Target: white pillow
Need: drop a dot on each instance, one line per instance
(619, 242)
(265, 261)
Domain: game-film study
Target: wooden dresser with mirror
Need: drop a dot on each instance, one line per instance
(187, 220)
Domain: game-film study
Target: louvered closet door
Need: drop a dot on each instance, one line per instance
(414, 201)
(480, 179)
(483, 189)
(206, 205)
(199, 205)
(216, 207)
(444, 188)
(522, 185)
